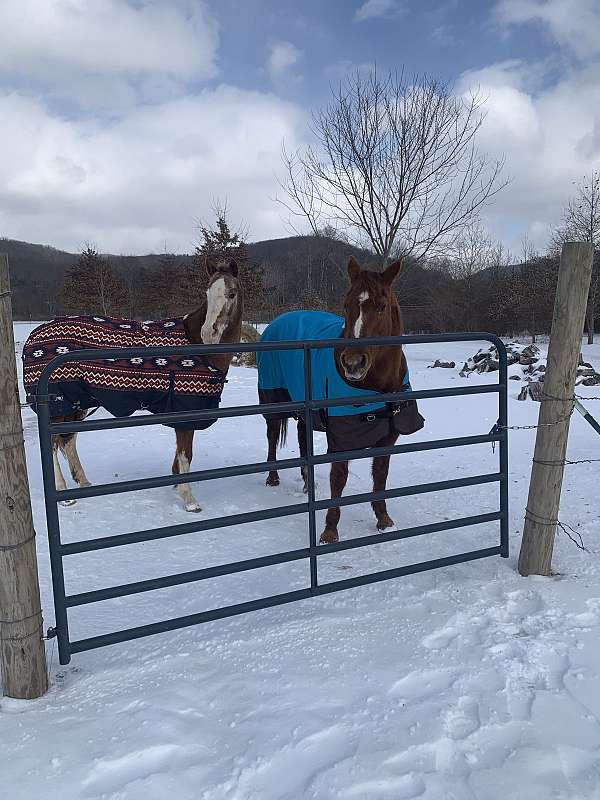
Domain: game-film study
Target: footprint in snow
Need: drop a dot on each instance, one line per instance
(422, 684)
(462, 719)
(109, 775)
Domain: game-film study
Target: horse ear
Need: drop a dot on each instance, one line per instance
(390, 273)
(233, 267)
(210, 267)
(353, 268)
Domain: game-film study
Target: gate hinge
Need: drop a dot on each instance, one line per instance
(33, 399)
(50, 633)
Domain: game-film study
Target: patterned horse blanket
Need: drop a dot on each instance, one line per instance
(281, 379)
(158, 384)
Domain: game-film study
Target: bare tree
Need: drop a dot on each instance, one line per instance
(91, 285)
(581, 222)
(465, 293)
(394, 164)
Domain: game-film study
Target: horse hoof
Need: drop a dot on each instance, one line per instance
(328, 537)
(385, 523)
(67, 503)
(194, 507)
(272, 481)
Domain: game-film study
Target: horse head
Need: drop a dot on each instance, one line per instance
(223, 303)
(370, 309)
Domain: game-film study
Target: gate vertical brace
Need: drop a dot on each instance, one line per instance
(503, 425)
(53, 525)
(308, 425)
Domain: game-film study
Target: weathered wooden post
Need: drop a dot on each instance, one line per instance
(570, 304)
(22, 652)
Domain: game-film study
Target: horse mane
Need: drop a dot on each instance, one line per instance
(193, 323)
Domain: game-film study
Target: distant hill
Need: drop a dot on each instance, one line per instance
(291, 264)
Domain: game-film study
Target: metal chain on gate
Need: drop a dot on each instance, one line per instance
(559, 421)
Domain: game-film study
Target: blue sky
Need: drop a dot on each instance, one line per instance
(124, 120)
(442, 38)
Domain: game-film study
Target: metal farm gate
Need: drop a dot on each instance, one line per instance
(60, 551)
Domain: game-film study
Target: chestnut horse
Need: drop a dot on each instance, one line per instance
(218, 319)
(371, 309)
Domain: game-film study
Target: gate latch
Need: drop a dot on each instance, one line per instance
(493, 432)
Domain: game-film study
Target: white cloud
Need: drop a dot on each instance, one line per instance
(373, 9)
(549, 134)
(572, 23)
(143, 179)
(108, 53)
(282, 56)
(443, 36)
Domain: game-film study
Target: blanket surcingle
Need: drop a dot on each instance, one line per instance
(281, 379)
(158, 384)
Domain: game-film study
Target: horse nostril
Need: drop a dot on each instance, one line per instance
(354, 361)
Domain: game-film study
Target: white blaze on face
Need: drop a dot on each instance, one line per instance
(363, 296)
(214, 324)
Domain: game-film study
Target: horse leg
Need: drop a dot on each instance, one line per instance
(181, 464)
(337, 480)
(302, 446)
(380, 469)
(59, 480)
(273, 435)
(68, 446)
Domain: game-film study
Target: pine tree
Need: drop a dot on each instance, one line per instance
(91, 286)
(220, 244)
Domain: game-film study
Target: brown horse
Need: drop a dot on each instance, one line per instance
(218, 320)
(371, 309)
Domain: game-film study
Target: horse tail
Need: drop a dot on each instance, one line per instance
(282, 434)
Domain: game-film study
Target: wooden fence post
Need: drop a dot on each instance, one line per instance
(22, 651)
(541, 516)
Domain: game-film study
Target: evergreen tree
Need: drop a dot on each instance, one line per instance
(91, 286)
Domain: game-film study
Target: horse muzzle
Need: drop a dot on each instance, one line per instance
(354, 364)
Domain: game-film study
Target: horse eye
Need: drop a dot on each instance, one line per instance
(231, 295)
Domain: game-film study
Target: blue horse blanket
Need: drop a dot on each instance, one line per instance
(281, 378)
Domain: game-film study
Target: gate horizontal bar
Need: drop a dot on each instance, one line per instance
(413, 394)
(178, 417)
(411, 569)
(205, 573)
(178, 530)
(129, 634)
(409, 447)
(219, 570)
(98, 490)
(407, 491)
(409, 533)
(97, 354)
(181, 418)
(138, 484)
(265, 514)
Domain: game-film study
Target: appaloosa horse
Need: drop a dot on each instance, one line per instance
(122, 386)
(370, 309)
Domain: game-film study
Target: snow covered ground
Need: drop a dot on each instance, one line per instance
(467, 682)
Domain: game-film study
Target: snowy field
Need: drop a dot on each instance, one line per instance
(468, 683)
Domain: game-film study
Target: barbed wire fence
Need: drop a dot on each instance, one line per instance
(570, 532)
